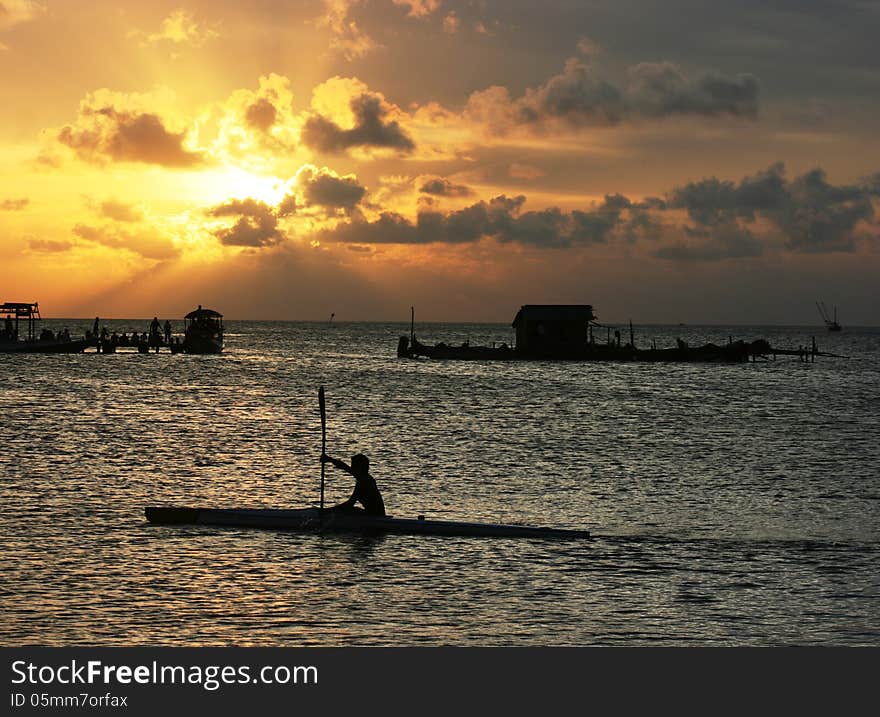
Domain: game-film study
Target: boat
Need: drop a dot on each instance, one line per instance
(15, 340)
(315, 520)
(319, 520)
(413, 348)
(203, 332)
(831, 323)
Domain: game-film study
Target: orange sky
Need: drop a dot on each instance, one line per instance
(288, 160)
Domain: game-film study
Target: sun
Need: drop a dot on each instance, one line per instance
(221, 185)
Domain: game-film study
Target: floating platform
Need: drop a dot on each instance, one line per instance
(567, 333)
(734, 352)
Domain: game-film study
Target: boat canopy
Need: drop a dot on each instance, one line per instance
(17, 308)
(201, 313)
(29, 311)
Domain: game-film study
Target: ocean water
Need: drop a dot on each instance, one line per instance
(730, 504)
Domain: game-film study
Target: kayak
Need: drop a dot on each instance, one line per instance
(318, 521)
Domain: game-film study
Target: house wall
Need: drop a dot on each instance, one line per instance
(533, 335)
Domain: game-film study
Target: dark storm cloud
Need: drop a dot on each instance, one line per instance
(595, 227)
(466, 225)
(579, 97)
(106, 133)
(372, 129)
(713, 201)
(325, 189)
(501, 218)
(389, 228)
(641, 225)
(14, 205)
(442, 187)
(724, 219)
(256, 224)
(661, 90)
(545, 228)
(822, 217)
(811, 214)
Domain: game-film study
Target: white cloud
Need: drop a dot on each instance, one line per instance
(180, 27)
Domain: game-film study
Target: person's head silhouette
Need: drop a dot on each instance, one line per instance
(360, 464)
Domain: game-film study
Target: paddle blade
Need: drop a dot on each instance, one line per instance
(323, 408)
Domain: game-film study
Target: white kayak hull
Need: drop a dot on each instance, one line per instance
(315, 520)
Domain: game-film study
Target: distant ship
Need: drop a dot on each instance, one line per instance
(204, 332)
(829, 322)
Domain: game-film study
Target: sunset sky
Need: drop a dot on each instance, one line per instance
(672, 161)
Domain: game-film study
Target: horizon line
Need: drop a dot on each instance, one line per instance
(625, 322)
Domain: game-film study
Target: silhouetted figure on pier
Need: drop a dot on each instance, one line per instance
(366, 492)
(167, 331)
(155, 329)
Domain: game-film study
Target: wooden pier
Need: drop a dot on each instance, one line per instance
(109, 347)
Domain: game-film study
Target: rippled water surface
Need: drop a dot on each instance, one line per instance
(731, 505)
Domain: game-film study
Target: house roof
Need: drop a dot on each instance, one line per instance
(554, 312)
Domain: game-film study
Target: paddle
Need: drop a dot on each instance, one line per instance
(323, 407)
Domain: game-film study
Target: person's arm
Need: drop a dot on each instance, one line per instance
(341, 465)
